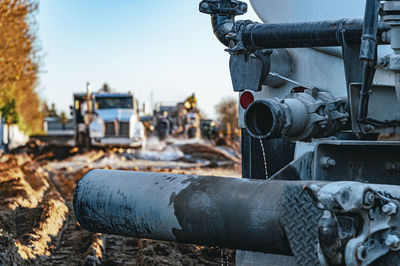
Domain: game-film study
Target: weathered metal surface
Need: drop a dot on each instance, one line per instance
(362, 161)
(376, 209)
(249, 72)
(262, 259)
(298, 169)
(217, 211)
(382, 112)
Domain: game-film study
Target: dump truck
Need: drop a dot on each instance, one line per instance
(319, 93)
(107, 119)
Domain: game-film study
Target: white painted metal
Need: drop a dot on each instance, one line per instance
(321, 68)
(307, 10)
(286, 11)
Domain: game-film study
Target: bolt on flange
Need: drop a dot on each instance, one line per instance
(368, 199)
(362, 252)
(393, 242)
(389, 208)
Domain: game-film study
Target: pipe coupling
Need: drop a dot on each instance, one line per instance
(299, 116)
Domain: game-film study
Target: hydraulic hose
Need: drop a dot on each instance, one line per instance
(307, 34)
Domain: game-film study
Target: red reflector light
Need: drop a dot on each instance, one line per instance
(246, 99)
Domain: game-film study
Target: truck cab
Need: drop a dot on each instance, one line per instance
(107, 119)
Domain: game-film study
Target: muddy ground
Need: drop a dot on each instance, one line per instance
(37, 222)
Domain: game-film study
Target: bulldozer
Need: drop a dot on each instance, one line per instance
(319, 93)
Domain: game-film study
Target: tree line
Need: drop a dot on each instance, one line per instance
(19, 65)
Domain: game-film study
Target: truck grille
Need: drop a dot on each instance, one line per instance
(111, 132)
(124, 129)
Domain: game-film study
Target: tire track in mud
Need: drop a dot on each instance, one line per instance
(120, 250)
(74, 245)
(77, 246)
(43, 218)
(32, 212)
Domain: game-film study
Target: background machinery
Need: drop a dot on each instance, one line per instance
(319, 91)
(181, 119)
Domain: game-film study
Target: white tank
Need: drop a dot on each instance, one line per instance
(286, 11)
(307, 10)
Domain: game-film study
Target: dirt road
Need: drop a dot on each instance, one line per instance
(38, 225)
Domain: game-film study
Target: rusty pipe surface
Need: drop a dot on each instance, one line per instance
(205, 210)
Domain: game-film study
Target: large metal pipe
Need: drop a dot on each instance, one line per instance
(307, 34)
(205, 210)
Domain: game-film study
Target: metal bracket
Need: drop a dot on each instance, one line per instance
(361, 161)
(373, 209)
(353, 66)
(224, 12)
(382, 115)
(236, 45)
(249, 71)
(232, 7)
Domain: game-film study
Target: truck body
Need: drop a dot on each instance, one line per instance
(107, 119)
(319, 95)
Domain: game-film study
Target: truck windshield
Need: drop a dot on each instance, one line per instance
(113, 102)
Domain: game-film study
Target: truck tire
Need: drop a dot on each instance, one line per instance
(83, 140)
(162, 130)
(192, 132)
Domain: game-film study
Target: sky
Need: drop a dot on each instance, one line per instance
(160, 50)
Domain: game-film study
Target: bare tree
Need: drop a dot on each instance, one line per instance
(227, 111)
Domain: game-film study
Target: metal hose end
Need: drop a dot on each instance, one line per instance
(264, 119)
